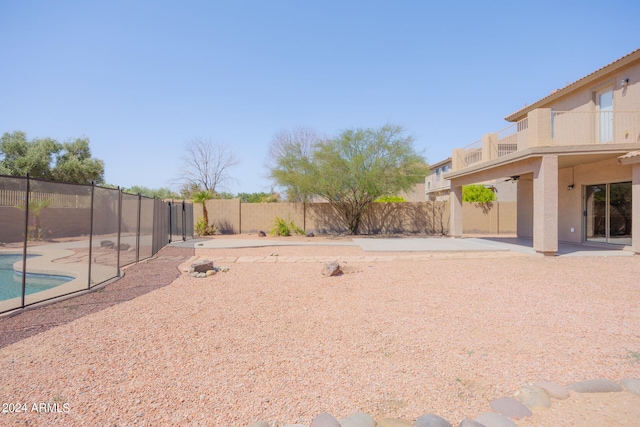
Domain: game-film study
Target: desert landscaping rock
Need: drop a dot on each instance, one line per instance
(470, 423)
(262, 234)
(632, 385)
(331, 269)
(260, 424)
(324, 420)
(534, 398)
(431, 420)
(510, 407)
(553, 390)
(358, 420)
(202, 266)
(598, 385)
(491, 419)
(393, 422)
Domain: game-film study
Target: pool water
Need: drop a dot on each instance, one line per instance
(11, 280)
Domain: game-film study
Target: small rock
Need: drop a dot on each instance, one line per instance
(553, 390)
(598, 385)
(202, 266)
(533, 397)
(331, 269)
(194, 274)
(273, 254)
(358, 420)
(294, 425)
(491, 419)
(310, 234)
(632, 385)
(510, 407)
(393, 422)
(125, 246)
(107, 244)
(260, 424)
(210, 273)
(262, 234)
(431, 420)
(470, 423)
(324, 420)
(200, 275)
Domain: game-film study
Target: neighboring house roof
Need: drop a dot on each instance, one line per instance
(629, 158)
(440, 163)
(573, 86)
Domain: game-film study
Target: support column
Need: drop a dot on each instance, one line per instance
(635, 208)
(545, 206)
(455, 229)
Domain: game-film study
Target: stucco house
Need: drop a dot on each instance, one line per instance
(437, 187)
(575, 157)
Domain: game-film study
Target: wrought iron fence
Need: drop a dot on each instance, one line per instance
(57, 239)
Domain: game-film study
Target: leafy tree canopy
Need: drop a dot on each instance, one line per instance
(353, 169)
(261, 197)
(45, 158)
(477, 193)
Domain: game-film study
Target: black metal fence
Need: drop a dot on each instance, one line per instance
(57, 239)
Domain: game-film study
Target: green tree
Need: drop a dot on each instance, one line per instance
(75, 164)
(478, 194)
(354, 169)
(289, 154)
(21, 156)
(45, 158)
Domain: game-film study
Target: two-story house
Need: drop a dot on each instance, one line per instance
(437, 187)
(575, 156)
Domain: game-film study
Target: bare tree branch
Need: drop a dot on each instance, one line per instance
(206, 164)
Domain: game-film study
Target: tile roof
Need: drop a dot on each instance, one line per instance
(630, 157)
(557, 93)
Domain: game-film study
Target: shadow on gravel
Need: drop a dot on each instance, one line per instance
(138, 279)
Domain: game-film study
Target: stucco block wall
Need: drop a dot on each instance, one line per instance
(233, 217)
(261, 216)
(498, 218)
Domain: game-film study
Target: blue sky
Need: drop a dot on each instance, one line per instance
(140, 78)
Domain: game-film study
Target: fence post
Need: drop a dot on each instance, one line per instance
(170, 221)
(26, 240)
(184, 222)
(138, 230)
(119, 227)
(90, 234)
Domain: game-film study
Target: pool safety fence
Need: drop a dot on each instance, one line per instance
(85, 233)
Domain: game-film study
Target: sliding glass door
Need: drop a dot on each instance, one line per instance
(608, 213)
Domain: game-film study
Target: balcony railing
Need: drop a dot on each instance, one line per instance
(553, 128)
(470, 154)
(594, 127)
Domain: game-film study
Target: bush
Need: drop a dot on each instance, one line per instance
(202, 229)
(283, 227)
(391, 199)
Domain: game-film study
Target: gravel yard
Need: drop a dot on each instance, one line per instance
(272, 339)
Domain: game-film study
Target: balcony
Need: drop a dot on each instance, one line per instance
(545, 127)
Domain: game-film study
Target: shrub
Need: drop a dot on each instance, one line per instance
(282, 227)
(203, 229)
(390, 199)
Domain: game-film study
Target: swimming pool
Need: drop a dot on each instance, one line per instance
(11, 280)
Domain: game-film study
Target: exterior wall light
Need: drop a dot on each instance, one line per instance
(624, 82)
